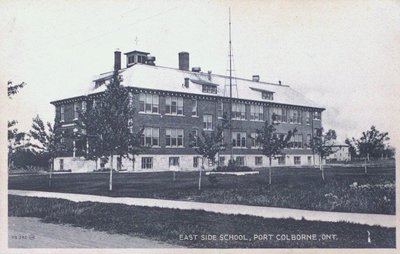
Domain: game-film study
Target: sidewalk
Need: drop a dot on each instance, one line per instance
(265, 212)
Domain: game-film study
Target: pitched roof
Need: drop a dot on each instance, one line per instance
(170, 79)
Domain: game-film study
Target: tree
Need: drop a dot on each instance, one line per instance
(14, 89)
(48, 139)
(14, 136)
(208, 145)
(14, 140)
(331, 134)
(352, 148)
(372, 143)
(272, 143)
(322, 145)
(110, 126)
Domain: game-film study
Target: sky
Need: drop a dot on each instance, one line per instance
(344, 55)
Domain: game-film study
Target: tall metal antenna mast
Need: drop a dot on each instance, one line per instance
(230, 86)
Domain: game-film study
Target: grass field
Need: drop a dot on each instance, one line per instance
(212, 230)
(300, 188)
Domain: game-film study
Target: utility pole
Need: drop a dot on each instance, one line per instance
(230, 88)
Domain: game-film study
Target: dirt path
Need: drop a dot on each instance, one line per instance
(26, 232)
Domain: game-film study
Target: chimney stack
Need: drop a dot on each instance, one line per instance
(256, 78)
(183, 61)
(117, 60)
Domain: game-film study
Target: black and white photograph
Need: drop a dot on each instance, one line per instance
(199, 125)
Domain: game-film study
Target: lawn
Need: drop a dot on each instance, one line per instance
(200, 229)
(344, 189)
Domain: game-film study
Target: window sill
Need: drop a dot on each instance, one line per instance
(174, 147)
(240, 148)
(257, 121)
(174, 115)
(234, 119)
(144, 113)
(195, 116)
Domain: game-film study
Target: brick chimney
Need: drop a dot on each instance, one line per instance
(117, 60)
(183, 61)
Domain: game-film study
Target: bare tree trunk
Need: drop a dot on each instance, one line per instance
(111, 172)
(321, 167)
(201, 169)
(96, 164)
(270, 170)
(51, 171)
(173, 176)
(365, 165)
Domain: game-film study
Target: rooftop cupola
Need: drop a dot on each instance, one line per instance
(135, 56)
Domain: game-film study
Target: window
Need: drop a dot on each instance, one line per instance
(258, 160)
(220, 109)
(174, 105)
(295, 116)
(297, 160)
(149, 103)
(308, 140)
(119, 163)
(194, 108)
(280, 115)
(196, 160)
(221, 160)
(239, 139)
(238, 111)
(309, 160)
(84, 106)
(307, 116)
(131, 59)
(151, 137)
(61, 164)
(195, 134)
(254, 142)
(296, 141)
(147, 162)
(62, 110)
(207, 122)
(174, 161)
(317, 115)
(256, 113)
(210, 163)
(267, 95)
(209, 89)
(174, 138)
(281, 160)
(240, 160)
(76, 110)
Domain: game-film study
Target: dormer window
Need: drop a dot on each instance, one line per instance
(209, 89)
(267, 95)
